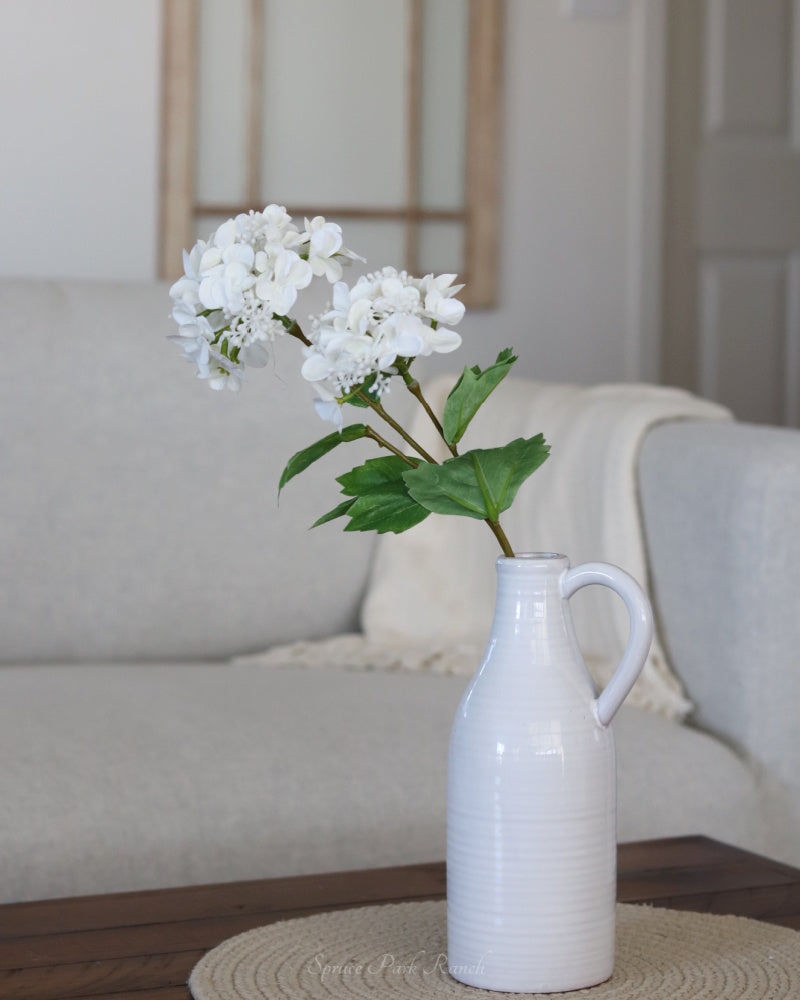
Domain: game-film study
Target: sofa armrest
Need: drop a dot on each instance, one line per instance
(721, 509)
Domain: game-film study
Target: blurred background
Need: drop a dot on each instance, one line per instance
(617, 180)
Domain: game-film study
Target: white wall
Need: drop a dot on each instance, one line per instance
(565, 182)
(79, 95)
(79, 107)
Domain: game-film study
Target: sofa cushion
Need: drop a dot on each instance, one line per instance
(140, 509)
(119, 777)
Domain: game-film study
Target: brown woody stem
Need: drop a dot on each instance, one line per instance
(383, 443)
(295, 331)
(376, 406)
(415, 389)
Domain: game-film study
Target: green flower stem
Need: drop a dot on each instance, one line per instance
(376, 406)
(415, 389)
(500, 535)
(383, 443)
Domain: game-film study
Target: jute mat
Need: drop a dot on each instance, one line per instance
(399, 951)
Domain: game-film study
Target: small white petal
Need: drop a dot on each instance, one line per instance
(315, 368)
(444, 341)
(226, 234)
(329, 410)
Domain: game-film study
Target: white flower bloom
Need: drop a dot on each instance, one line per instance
(185, 296)
(239, 253)
(316, 367)
(220, 371)
(225, 381)
(359, 316)
(443, 309)
(240, 285)
(329, 409)
(195, 348)
(224, 285)
(403, 334)
(325, 238)
(226, 234)
(441, 341)
(325, 241)
(210, 261)
(385, 316)
(191, 261)
(278, 288)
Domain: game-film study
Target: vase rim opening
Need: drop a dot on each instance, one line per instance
(533, 556)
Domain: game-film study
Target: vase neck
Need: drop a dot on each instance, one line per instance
(529, 592)
(531, 572)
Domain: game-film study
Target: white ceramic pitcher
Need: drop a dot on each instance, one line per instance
(531, 797)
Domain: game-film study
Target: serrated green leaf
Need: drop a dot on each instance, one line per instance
(392, 511)
(378, 497)
(337, 511)
(302, 459)
(374, 476)
(481, 483)
(471, 392)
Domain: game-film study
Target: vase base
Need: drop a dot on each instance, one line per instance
(548, 984)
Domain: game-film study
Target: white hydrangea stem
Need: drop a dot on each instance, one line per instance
(413, 386)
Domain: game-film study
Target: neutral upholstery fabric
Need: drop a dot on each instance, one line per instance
(126, 777)
(721, 505)
(140, 517)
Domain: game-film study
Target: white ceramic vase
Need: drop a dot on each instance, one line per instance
(531, 797)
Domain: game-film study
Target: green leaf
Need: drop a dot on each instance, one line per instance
(391, 511)
(379, 497)
(374, 476)
(337, 511)
(471, 392)
(302, 459)
(481, 483)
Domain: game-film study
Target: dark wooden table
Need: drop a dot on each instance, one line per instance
(142, 945)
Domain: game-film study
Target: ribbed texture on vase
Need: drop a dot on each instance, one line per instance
(531, 836)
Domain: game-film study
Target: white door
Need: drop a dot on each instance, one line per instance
(732, 223)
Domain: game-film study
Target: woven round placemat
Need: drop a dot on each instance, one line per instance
(399, 951)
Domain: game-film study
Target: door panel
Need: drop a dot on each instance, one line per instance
(742, 336)
(733, 212)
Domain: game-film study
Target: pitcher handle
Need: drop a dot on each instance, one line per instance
(616, 691)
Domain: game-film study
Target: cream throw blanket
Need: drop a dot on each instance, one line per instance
(430, 600)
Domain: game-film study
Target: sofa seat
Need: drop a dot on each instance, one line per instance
(128, 777)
